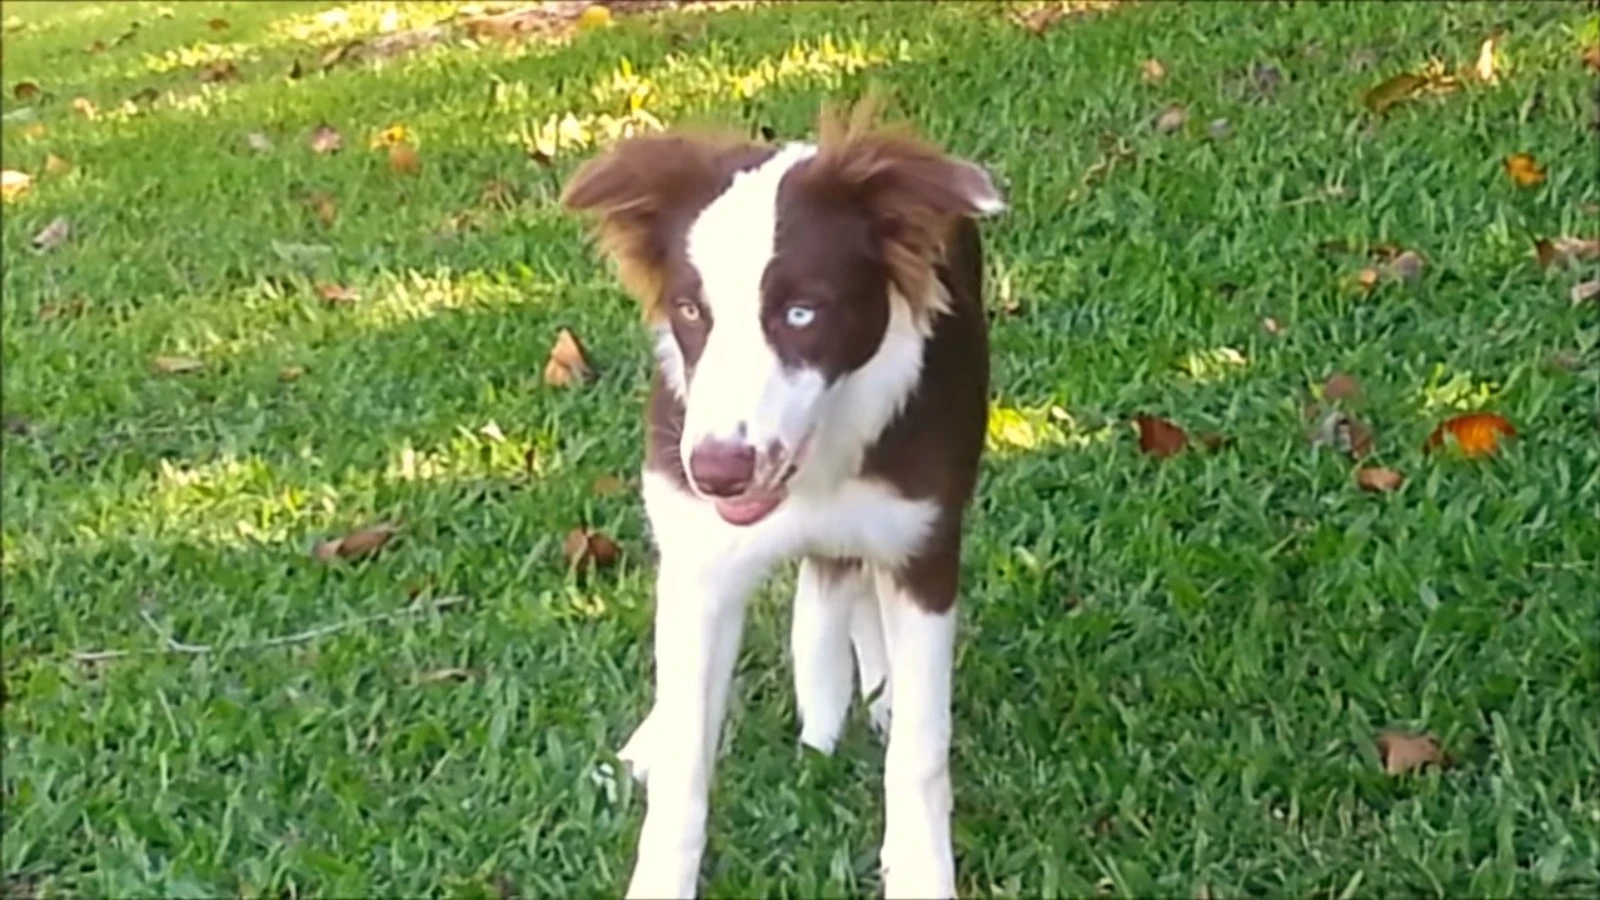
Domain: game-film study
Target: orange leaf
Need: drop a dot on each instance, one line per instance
(337, 294)
(403, 159)
(1402, 753)
(1477, 434)
(1159, 437)
(568, 363)
(360, 543)
(1591, 58)
(1524, 169)
(586, 549)
(1152, 71)
(1379, 480)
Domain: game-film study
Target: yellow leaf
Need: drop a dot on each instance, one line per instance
(176, 365)
(1524, 169)
(595, 16)
(14, 184)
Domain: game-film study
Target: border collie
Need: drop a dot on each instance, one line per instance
(820, 393)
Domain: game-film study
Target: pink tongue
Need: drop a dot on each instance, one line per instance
(747, 510)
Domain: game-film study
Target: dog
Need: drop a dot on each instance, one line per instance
(820, 392)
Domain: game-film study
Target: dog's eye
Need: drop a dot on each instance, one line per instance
(799, 316)
(689, 310)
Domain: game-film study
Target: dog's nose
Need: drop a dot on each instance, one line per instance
(722, 468)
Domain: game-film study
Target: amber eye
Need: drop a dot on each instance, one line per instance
(689, 310)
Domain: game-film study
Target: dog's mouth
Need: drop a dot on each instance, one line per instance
(756, 504)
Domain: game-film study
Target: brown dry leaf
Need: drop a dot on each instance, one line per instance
(177, 365)
(1152, 71)
(291, 373)
(1213, 441)
(52, 235)
(218, 24)
(1591, 58)
(326, 139)
(1341, 386)
(322, 204)
(1367, 279)
(1158, 437)
(337, 294)
(1400, 87)
(1172, 118)
(55, 165)
(222, 70)
(403, 159)
(25, 90)
(1407, 266)
(585, 549)
(14, 184)
(364, 542)
(1584, 291)
(1562, 250)
(568, 363)
(1040, 20)
(1476, 434)
(608, 485)
(85, 107)
(434, 676)
(258, 141)
(1524, 169)
(1483, 70)
(1379, 480)
(1402, 753)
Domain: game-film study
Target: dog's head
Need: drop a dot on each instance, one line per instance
(773, 276)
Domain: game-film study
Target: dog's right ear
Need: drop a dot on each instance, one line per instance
(645, 192)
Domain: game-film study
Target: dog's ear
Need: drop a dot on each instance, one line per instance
(913, 192)
(645, 192)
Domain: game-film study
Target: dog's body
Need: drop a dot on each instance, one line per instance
(820, 393)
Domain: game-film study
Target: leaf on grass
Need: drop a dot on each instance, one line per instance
(608, 485)
(14, 184)
(364, 542)
(55, 165)
(1152, 71)
(594, 16)
(491, 430)
(220, 71)
(1400, 87)
(1584, 291)
(1158, 437)
(85, 107)
(1037, 21)
(321, 203)
(1563, 250)
(326, 139)
(291, 373)
(1367, 279)
(1341, 386)
(585, 549)
(1407, 266)
(177, 365)
(52, 235)
(1174, 117)
(337, 294)
(1484, 68)
(1271, 326)
(1379, 480)
(1343, 432)
(1476, 434)
(25, 90)
(568, 363)
(403, 159)
(1402, 753)
(434, 676)
(1591, 58)
(218, 24)
(1524, 169)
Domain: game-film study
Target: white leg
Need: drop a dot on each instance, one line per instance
(820, 642)
(872, 656)
(699, 617)
(917, 858)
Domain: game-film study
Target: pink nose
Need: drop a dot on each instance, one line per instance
(722, 468)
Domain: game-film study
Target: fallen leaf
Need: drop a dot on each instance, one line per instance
(1483, 70)
(1476, 434)
(434, 676)
(1159, 437)
(1402, 753)
(608, 485)
(1341, 431)
(25, 90)
(14, 184)
(568, 363)
(403, 159)
(1591, 58)
(1038, 21)
(52, 235)
(322, 204)
(55, 165)
(218, 24)
(1379, 480)
(176, 365)
(223, 70)
(1400, 87)
(1172, 118)
(1213, 441)
(258, 141)
(291, 373)
(1367, 278)
(360, 543)
(1524, 169)
(1271, 326)
(1562, 250)
(595, 16)
(1584, 291)
(1341, 386)
(85, 107)
(1407, 266)
(491, 430)
(337, 294)
(1152, 71)
(326, 139)
(585, 549)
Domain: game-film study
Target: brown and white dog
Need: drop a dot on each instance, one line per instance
(821, 393)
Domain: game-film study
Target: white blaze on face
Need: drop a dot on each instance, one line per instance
(739, 382)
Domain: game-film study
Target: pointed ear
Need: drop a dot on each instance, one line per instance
(644, 191)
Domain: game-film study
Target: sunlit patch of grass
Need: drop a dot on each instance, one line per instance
(1453, 390)
(192, 57)
(1212, 364)
(354, 21)
(1025, 429)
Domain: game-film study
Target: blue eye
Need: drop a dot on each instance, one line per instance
(799, 316)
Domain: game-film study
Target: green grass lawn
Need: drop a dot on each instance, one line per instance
(1171, 671)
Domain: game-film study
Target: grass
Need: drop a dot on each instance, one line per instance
(1171, 671)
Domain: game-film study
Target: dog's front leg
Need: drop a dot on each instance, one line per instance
(698, 620)
(919, 623)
